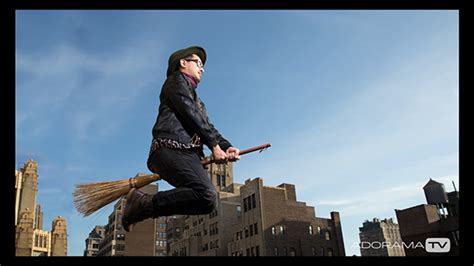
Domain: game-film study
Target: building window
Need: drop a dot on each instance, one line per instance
(239, 210)
(282, 229)
(284, 252)
(251, 229)
(254, 202)
(249, 204)
(255, 228)
(313, 251)
(257, 251)
(275, 252)
(292, 252)
(322, 251)
(252, 251)
(319, 230)
(248, 252)
(222, 177)
(120, 236)
(328, 235)
(310, 229)
(245, 204)
(330, 252)
(246, 233)
(273, 230)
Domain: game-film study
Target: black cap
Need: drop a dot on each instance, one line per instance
(173, 61)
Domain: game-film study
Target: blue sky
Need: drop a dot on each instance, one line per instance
(361, 107)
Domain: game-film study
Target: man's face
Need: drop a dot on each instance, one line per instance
(192, 65)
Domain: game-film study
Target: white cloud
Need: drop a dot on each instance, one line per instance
(382, 199)
(403, 120)
(88, 93)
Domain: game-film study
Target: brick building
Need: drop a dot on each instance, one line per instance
(437, 219)
(274, 223)
(254, 220)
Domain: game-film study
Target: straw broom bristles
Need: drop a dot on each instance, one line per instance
(91, 197)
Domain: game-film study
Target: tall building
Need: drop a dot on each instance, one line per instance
(437, 219)
(92, 242)
(59, 237)
(380, 238)
(174, 232)
(113, 243)
(161, 238)
(30, 238)
(274, 223)
(254, 220)
(148, 238)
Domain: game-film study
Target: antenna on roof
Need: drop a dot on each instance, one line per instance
(454, 185)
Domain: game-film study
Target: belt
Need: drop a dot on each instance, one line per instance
(172, 144)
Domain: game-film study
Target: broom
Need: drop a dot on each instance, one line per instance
(91, 197)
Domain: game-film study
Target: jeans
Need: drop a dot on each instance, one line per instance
(194, 192)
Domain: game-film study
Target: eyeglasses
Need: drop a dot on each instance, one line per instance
(197, 61)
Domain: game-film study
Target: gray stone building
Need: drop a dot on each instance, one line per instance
(380, 238)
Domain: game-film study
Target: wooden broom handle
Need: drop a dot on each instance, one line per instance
(259, 147)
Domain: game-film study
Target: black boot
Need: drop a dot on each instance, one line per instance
(139, 206)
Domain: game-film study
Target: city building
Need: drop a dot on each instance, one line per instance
(30, 238)
(254, 220)
(437, 219)
(274, 223)
(93, 241)
(380, 238)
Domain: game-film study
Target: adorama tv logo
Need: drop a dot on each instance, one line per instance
(437, 245)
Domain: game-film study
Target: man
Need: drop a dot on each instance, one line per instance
(180, 130)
